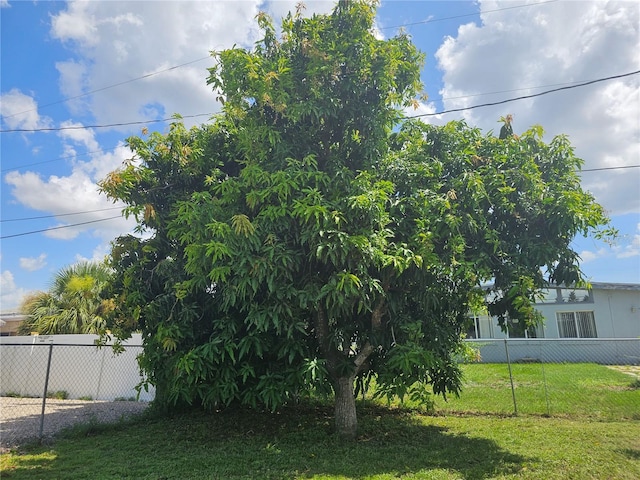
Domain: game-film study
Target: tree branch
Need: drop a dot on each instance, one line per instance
(376, 326)
(376, 316)
(322, 336)
(361, 358)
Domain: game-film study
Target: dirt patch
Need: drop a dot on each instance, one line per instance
(20, 418)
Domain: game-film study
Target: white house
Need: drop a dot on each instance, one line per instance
(599, 325)
(9, 323)
(607, 310)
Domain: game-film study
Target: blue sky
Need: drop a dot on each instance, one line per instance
(67, 66)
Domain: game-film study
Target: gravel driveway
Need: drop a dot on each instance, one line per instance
(20, 417)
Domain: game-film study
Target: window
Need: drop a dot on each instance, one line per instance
(566, 295)
(576, 325)
(515, 330)
(474, 327)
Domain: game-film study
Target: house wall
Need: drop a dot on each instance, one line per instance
(616, 313)
(605, 351)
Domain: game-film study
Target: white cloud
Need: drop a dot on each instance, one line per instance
(4, 4)
(77, 192)
(83, 136)
(632, 249)
(626, 246)
(73, 85)
(31, 264)
(587, 256)
(114, 42)
(10, 294)
(77, 23)
(99, 253)
(546, 45)
(21, 111)
(423, 108)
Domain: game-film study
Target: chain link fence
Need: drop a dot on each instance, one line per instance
(47, 386)
(573, 378)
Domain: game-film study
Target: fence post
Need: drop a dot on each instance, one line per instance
(44, 394)
(513, 391)
(544, 381)
(97, 397)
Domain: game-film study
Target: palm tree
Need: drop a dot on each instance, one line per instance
(73, 304)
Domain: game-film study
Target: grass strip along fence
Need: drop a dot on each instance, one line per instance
(584, 390)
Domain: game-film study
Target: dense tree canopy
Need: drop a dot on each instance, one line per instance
(73, 304)
(308, 239)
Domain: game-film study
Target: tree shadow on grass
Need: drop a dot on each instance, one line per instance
(396, 445)
(294, 443)
(632, 453)
(392, 443)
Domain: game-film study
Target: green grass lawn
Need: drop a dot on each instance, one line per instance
(297, 443)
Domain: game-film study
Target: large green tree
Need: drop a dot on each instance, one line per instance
(73, 304)
(309, 239)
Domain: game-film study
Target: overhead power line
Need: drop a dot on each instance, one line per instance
(120, 216)
(599, 169)
(58, 215)
(142, 77)
(122, 124)
(433, 20)
(63, 157)
(453, 110)
(496, 92)
(524, 97)
(57, 228)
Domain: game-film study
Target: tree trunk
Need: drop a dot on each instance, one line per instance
(346, 421)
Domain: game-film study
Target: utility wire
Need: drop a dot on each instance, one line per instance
(142, 77)
(59, 215)
(58, 228)
(512, 90)
(123, 124)
(621, 167)
(433, 20)
(64, 157)
(442, 99)
(453, 110)
(501, 102)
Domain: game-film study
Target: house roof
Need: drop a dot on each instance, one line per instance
(12, 316)
(615, 286)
